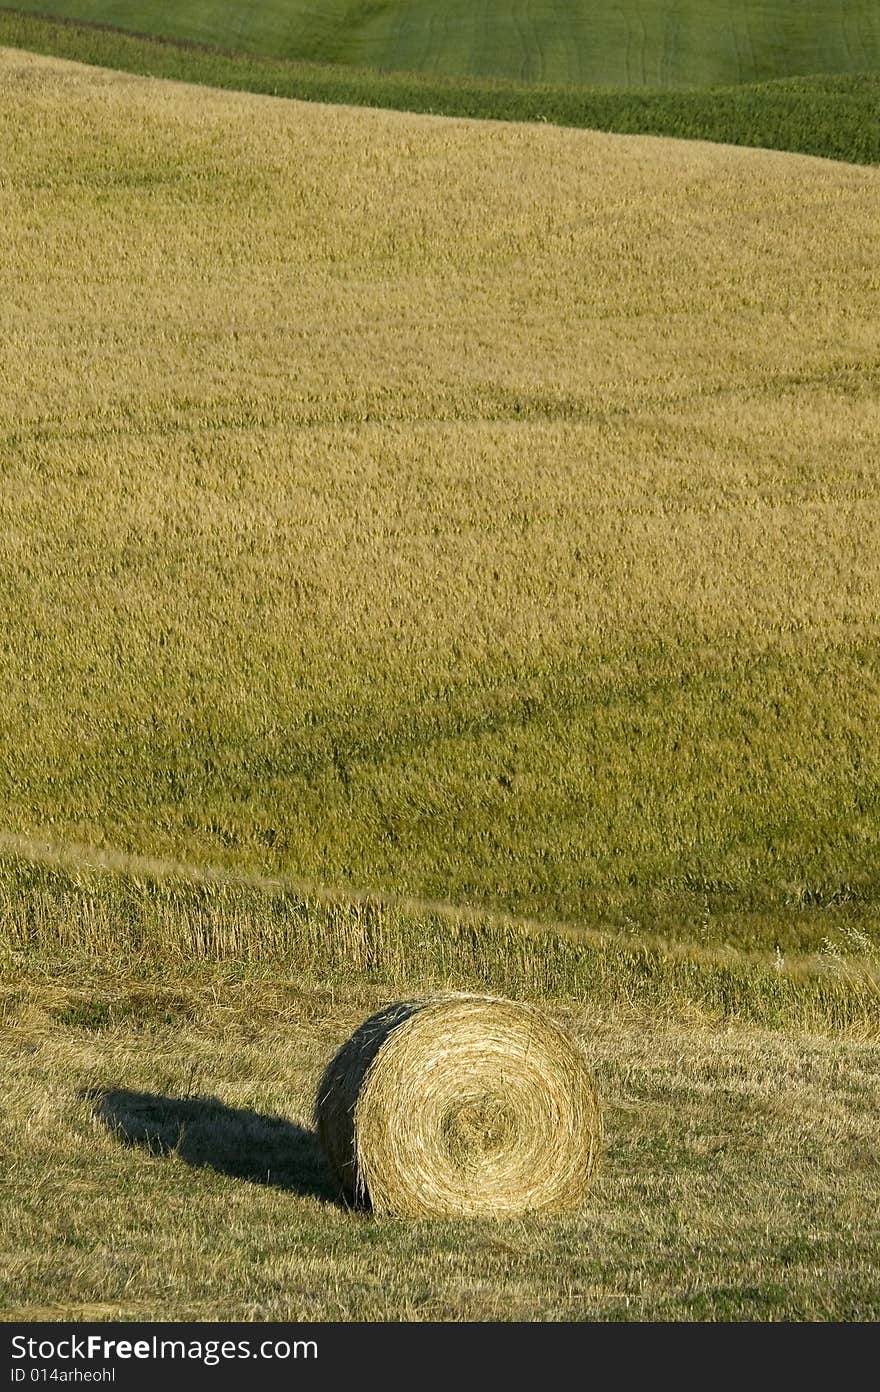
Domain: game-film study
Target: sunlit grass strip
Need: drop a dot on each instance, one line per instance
(834, 117)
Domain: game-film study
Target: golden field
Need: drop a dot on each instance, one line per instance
(483, 516)
(455, 508)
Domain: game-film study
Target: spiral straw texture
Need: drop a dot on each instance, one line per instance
(460, 1106)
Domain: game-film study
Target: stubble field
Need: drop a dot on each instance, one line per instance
(161, 1043)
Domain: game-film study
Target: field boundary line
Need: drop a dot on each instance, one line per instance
(77, 856)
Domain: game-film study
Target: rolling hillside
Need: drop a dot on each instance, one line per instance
(518, 547)
(833, 115)
(607, 43)
(484, 516)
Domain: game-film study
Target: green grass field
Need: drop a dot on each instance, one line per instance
(607, 43)
(835, 115)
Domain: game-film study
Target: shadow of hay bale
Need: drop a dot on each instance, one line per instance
(205, 1133)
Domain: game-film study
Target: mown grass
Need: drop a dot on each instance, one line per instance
(828, 113)
(160, 1044)
(740, 1178)
(517, 548)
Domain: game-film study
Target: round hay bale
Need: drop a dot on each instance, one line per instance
(460, 1106)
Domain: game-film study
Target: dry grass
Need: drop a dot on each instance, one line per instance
(460, 1106)
(518, 545)
(740, 1178)
(161, 1044)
